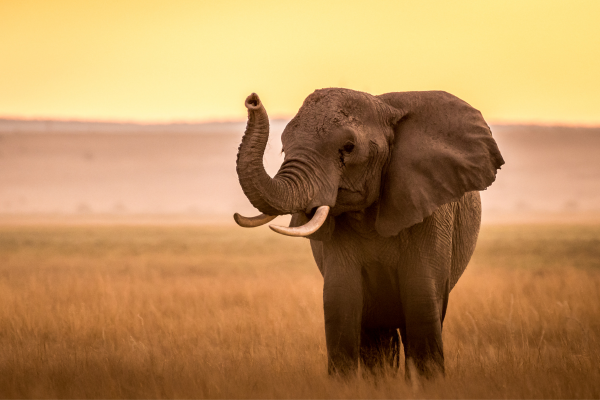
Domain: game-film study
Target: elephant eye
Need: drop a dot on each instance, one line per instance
(348, 147)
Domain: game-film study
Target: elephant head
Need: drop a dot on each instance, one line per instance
(404, 153)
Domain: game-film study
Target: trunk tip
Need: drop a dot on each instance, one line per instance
(253, 102)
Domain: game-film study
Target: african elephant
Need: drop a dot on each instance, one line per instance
(386, 189)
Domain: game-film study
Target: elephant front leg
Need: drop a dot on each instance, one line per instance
(422, 333)
(342, 301)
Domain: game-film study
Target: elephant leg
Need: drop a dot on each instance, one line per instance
(343, 314)
(422, 334)
(379, 347)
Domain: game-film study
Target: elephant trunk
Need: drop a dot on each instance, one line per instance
(288, 191)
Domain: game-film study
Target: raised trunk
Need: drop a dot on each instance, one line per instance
(288, 191)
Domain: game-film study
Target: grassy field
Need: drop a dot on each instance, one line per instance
(104, 312)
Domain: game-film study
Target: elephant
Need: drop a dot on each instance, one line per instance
(386, 188)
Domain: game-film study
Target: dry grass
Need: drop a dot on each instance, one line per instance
(220, 312)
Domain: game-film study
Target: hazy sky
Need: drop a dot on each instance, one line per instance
(516, 61)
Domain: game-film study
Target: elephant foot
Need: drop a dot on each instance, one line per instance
(425, 361)
(379, 348)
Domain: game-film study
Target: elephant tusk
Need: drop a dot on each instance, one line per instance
(307, 229)
(253, 222)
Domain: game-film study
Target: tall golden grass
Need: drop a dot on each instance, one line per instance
(217, 312)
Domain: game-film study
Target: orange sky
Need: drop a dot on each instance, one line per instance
(516, 61)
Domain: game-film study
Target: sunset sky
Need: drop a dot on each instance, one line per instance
(161, 61)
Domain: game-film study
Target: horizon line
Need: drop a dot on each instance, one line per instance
(275, 118)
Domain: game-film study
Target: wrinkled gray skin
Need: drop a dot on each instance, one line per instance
(401, 173)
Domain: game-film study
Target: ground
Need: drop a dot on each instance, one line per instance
(219, 312)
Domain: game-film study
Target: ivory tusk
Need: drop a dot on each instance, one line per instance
(253, 222)
(307, 229)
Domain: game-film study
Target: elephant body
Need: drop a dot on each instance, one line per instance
(387, 190)
(373, 278)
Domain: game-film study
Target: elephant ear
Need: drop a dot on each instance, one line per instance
(442, 148)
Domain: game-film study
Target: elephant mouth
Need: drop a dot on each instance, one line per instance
(344, 194)
(349, 199)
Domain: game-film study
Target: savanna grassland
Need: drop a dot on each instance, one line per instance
(159, 311)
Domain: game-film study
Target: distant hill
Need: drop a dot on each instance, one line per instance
(87, 168)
